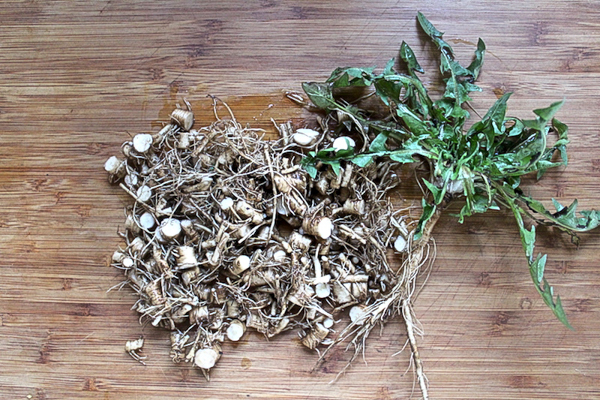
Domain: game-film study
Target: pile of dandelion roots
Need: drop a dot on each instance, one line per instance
(227, 233)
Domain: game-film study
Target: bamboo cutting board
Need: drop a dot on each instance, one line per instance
(78, 78)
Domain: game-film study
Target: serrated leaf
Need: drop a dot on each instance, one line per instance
(528, 240)
(516, 129)
(308, 163)
(389, 68)
(351, 76)
(562, 131)
(325, 153)
(456, 91)
(488, 160)
(407, 55)
(546, 114)
(458, 70)
(335, 166)
(428, 27)
(403, 156)
(378, 144)
(433, 33)
(320, 94)
(311, 170)
(559, 312)
(427, 213)
(547, 291)
(476, 64)
(565, 217)
(457, 88)
(537, 268)
(416, 96)
(557, 205)
(436, 192)
(362, 160)
(388, 91)
(497, 112)
(412, 121)
(345, 153)
(537, 265)
(543, 116)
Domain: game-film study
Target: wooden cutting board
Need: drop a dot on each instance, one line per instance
(79, 78)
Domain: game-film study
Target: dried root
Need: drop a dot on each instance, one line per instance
(227, 233)
(133, 347)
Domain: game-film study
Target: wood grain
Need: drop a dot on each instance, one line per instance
(79, 77)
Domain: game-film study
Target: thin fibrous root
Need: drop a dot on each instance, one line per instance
(228, 232)
(407, 313)
(397, 301)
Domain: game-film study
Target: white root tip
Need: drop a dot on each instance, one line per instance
(183, 118)
(358, 315)
(279, 256)
(324, 228)
(343, 143)
(206, 358)
(328, 323)
(236, 330)
(131, 180)
(118, 256)
(170, 228)
(241, 264)
(244, 209)
(187, 225)
(400, 244)
(305, 137)
(144, 193)
(321, 227)
(112, 165)
(142, 142)
(147, 221)
(127, 262)
(226, 203)
(322, 290)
